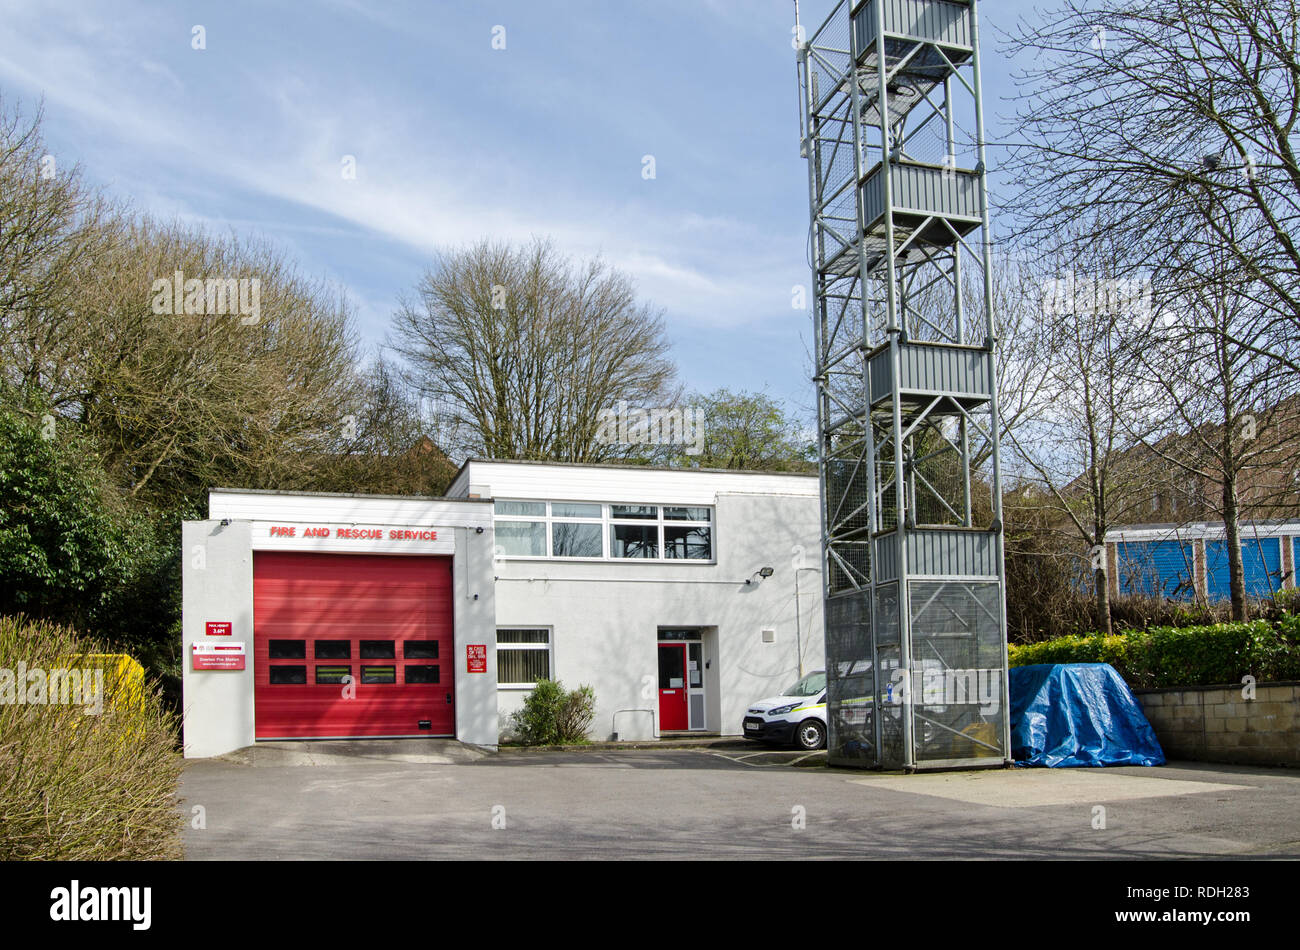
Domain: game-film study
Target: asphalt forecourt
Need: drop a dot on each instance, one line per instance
(698, 804)
(1146, 849)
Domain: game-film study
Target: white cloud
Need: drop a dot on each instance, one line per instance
(411, 186)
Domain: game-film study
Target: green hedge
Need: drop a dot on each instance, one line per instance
(1168, 657)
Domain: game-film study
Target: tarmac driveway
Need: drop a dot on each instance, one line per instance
(436, 799)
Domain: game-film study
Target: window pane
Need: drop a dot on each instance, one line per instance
(522, 666)
(287, 650)
(332, 674)
(634, 511)
(420, 649)
(575, 540)
(379, 674)
(421, 674)
(522, 636)
(569, 509)
(333, 649)
(689, 543)
(686, 514)
(634, 540)
(377, 650)
(288, 675)
(520, 507)
(670, 668)
(522, 538)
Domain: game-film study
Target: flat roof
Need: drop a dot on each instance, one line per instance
(347, 494)
(628, 466)
(1193, 525)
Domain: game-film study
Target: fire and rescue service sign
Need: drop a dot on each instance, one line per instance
(476, 655)
(353, 538)
(228, 655)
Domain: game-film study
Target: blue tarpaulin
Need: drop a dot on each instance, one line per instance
(1077, 714)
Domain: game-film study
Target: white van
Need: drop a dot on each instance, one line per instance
(797, 716)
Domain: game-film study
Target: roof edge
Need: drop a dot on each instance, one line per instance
(347, 494)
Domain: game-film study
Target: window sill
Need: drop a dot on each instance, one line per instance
(604, 560)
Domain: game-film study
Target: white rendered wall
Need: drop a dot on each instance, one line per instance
(604, 616)
(217, 585)
(219, 704)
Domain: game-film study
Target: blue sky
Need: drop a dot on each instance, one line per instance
(455, 141)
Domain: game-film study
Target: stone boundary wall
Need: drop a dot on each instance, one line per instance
(1217, 724)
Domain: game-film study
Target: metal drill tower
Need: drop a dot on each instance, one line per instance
(905, 347)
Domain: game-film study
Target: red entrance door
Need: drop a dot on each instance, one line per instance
(352, 645)
(672, 687)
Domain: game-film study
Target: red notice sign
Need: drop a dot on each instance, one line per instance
(476, 655)
(218, 628)
(218, 656)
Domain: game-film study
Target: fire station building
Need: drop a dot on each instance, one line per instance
(679, 596)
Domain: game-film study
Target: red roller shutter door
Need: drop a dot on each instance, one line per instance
(383, 621)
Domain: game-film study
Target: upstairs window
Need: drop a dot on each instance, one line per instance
(592, 531)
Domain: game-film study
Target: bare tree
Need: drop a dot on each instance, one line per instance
(525, 350)
(1167, 130)
(1172, 125)
(1219, 415)
(386, 443)
(183, 394)
(1076, 451)
(53, 235)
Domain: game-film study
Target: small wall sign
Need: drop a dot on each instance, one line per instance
(476, 656)
(218, 656)
(218, 628)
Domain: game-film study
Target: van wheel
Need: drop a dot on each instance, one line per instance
(810, 735)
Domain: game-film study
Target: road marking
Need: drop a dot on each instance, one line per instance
(784, 761)
(1030, 788)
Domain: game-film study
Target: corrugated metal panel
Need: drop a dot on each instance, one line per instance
(941, 21)
(882, 375)
(886, 557)
(922, 189)
(937, 552)
(1261, 562)
(936, 191)
(950, 553)
(1156, 568)
(873, 197)
(933, 368)
(952, 369)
